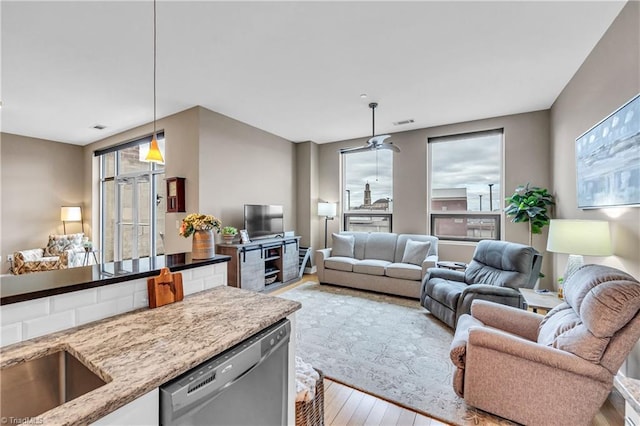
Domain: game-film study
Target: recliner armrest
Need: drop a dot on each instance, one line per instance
(446, 274)
(531, 351)
(502, 295)
(507, 318)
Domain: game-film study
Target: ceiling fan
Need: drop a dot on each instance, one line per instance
(375, 142)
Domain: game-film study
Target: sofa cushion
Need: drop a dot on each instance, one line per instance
(340, 263)
(59, 243)
(343, 245)
(402, 242)
(381, 246)
(415, 252)
(445, 292)
(404, 271)
(370, 266)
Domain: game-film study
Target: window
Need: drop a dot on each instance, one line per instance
(132, 202)
(465, 192)
(367, 188)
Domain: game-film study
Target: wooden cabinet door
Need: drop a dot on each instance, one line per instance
(251, 270)
(290, 261)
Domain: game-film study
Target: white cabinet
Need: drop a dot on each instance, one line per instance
(142, 411)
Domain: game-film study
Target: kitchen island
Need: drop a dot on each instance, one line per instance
(135, 353)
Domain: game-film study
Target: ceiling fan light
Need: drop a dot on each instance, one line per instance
(154, 155)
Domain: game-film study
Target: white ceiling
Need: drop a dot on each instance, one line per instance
(295, 69)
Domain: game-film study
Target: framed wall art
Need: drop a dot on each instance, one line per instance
(608, 160)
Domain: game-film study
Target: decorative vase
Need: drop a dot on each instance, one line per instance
(203, 246)
(228, 238)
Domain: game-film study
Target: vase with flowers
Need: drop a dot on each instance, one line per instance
(201, 226)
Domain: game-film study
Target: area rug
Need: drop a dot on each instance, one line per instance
(384, 345)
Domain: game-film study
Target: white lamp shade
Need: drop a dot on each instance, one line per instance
(70, 214)
(327, 209)
(583, 237)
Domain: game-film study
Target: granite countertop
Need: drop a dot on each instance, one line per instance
(20, 288)
(139, 351)
(630, 390)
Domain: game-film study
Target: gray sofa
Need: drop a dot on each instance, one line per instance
(383, 262)
(496, 272)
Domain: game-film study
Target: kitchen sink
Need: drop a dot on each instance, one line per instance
(38, 385)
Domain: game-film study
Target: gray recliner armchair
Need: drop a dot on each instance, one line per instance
(497, 271)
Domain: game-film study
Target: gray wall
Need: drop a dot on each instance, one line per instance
(307, 165)
(609, 77)
(37, 178)
(241, 164)
(527, 151)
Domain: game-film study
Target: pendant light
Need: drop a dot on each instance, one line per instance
(154, 155)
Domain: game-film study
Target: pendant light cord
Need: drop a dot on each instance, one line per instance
(154, 68)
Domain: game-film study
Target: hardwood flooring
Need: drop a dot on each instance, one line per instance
(345, 406)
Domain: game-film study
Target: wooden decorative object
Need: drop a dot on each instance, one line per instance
(165, 288)
(175, 195)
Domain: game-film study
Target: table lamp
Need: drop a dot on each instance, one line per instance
(579, 238)
(329, 211)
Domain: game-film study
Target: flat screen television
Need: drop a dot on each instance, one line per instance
(263, 221)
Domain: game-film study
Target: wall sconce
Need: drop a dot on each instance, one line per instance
(71, 214)
(329, 211)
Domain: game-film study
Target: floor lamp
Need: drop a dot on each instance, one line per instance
(329, 211)
(71, 214)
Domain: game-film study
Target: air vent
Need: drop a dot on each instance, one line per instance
(201, 384)
(400, 123)
(99, 127)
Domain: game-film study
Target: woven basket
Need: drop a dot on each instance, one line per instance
(311, 413)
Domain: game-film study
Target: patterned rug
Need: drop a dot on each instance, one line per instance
(385, 345)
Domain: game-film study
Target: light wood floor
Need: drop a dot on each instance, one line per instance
(345, 406)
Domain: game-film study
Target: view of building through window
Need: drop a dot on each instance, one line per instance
(132, 207)
(367, 190)
(465, 185)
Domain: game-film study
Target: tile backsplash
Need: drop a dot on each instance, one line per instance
(33, 318)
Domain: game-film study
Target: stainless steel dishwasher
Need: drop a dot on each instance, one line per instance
(245, 385)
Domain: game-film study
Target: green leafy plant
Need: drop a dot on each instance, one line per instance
(530, 204)
(229, 230)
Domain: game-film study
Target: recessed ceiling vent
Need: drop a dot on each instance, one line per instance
(400, 123)
(99, 127)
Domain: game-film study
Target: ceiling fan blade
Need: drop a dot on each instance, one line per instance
(356, 149)
(388, 145)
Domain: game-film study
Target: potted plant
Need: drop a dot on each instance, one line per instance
(530, 204)
(228, 233)
(201, 226)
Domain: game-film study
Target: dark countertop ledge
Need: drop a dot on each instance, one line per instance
(20, 288)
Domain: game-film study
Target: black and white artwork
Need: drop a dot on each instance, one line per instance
(608, 160)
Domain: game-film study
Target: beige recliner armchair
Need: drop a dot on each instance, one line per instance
(556, 369)
(61, 252)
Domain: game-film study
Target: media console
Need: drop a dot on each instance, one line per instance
(262, 264)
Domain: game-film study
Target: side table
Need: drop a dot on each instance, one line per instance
(87, 252)
(535, 301)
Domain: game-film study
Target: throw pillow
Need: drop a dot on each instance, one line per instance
(59, 243)
(415, 252)
(343, 245)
